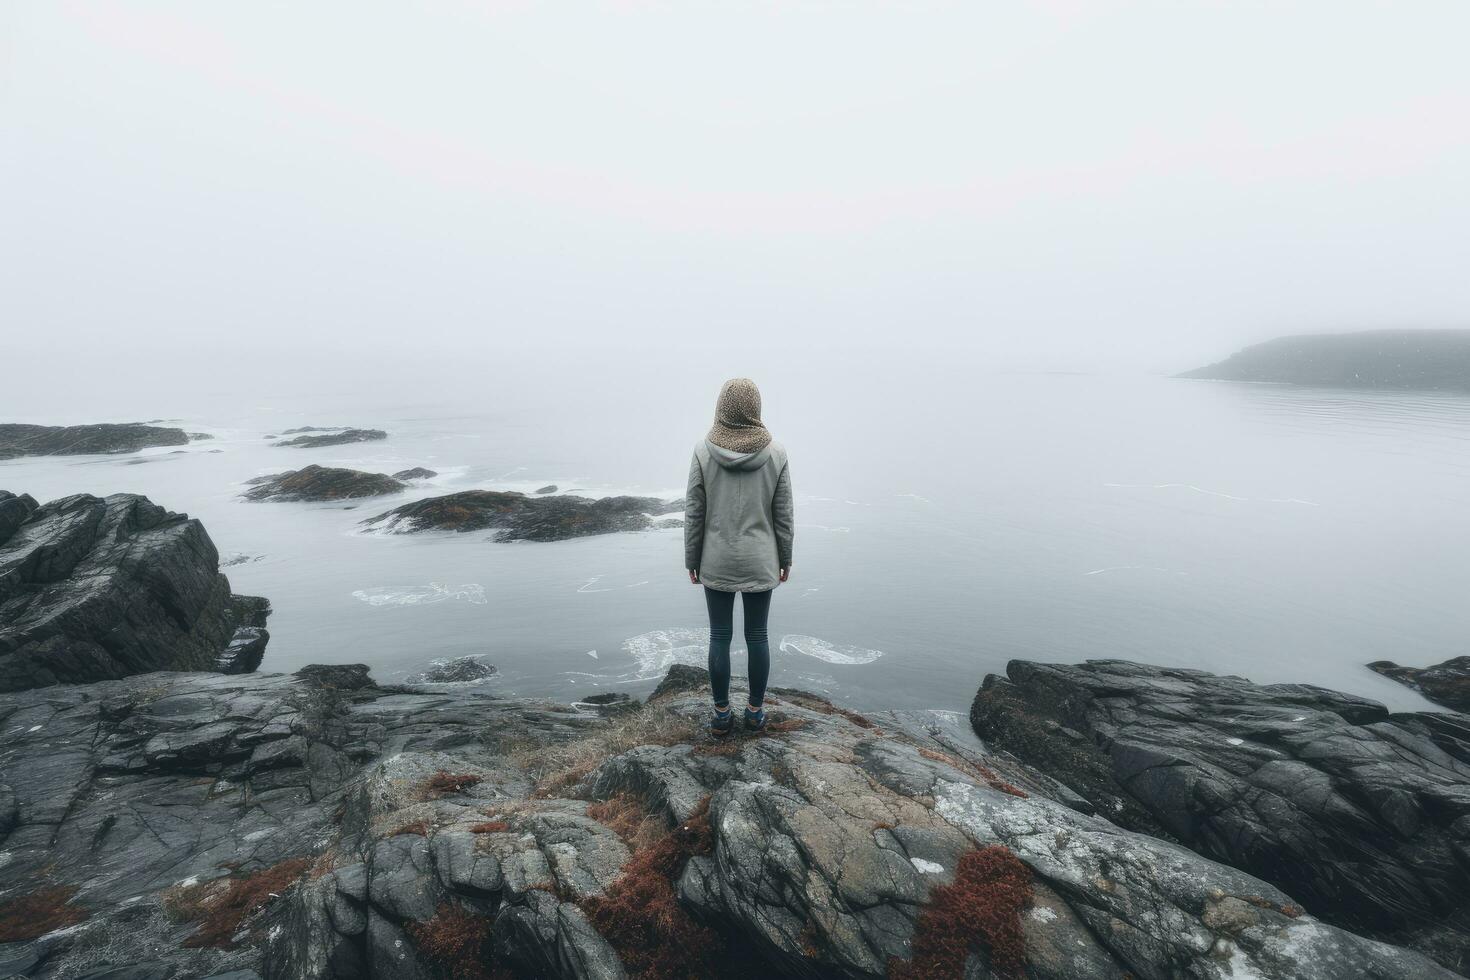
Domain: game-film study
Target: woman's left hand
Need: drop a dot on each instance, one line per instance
(694, 576)
(785, 573)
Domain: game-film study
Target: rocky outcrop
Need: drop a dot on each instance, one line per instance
(1360, 815)
(1403, 359)
(417, 473)
(332, 437)
(96, 588)
(318, 825)
(460, 670)
(516, 516)
(318, 483)
(75, 440)
(1446, 683)
(549, 488)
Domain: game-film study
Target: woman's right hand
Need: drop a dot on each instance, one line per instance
(693, 576)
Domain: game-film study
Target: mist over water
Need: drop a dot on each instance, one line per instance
(950, 516)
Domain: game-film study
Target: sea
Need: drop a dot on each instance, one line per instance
(950, 518)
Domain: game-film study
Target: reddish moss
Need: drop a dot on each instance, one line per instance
(445, 783)
(43, 910)
(786, 725)
(981, 909)
(641, 916)
(222, 908)
(420, 827)
(492, 827)
(458, 942)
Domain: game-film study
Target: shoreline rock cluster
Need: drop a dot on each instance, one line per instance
(98, 588)
(320, 825)
(518, 517)
(1361, 815)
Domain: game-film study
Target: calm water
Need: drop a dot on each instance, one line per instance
(947, 522)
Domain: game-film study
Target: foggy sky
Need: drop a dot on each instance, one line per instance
(1135, 186)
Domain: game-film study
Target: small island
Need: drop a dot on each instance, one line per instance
(315, 483)
(330, 437)
(18, 440)
(1419, 360)
(517, 517)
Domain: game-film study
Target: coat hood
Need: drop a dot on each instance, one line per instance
(732, 460)
(738, 426)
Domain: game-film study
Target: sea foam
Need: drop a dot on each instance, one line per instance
(418, 595)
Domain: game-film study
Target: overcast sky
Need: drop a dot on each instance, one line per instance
(1047, 184)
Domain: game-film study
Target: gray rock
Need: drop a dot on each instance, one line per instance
(1446, 683)
(1362, 816)
(94, 589)
(331, 438)
(457, 671)
(320, 483)
(517, 517)
(73, 440)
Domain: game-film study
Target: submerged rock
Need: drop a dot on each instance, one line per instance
(331, 438)
(456, 671)
(1445, 683)
(515, 516)
(417, 473)
(94, 588)
(319, 825)
(316, 483)
(75, 440)
(1362, 816)
(549, 488)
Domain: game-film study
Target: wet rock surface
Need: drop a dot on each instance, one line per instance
(1446, 683)
(1360, 815)
(319, 825)
(518, 517)
(457, 671)
(417, 473)
(329, 437)
(95, 588)
(317, 483)
(73, 440)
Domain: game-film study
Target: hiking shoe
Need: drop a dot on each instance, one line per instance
(755, 720)
(721, 722)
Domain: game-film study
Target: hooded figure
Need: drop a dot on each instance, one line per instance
(737, 538)
(738, 526)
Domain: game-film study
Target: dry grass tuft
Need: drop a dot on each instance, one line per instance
(641, 916)
(458, 942)
(558, 767)
(43, 910)
(984, 773)
(223, 906)
(420, 827)
(491, 827)
(724, 748)
(445, 783)
(628, 815)
(981, 909)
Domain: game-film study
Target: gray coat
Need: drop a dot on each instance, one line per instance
(738, 522)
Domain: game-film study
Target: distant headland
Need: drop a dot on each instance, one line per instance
(1402, 359)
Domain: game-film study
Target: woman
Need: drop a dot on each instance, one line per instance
(737, 538)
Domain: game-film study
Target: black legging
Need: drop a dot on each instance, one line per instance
(757, 643)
